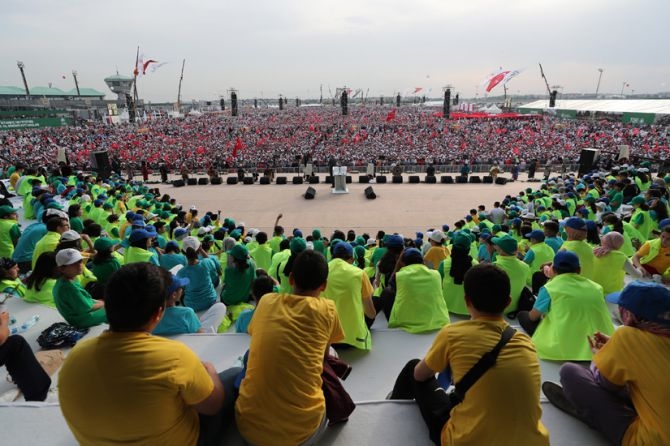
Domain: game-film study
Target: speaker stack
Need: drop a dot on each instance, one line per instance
(192, 181)
(475, 179)
(313, 179)
(203, 181)
(447, 179)
(216, 180)
(461, 179)
(297, 180)
(348, 179)
(370, 193)
(265, 180)
(414, 179)
(381, 179)
(397, 179)
(431, 179)
(178, 183)
(363, 179)
(280, 180)
(502, 181)
(248, 180)
(310, 193)
(488, 179)
(231, 180)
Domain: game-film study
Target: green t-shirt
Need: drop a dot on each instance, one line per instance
(104, 270)
(76, 305)
(237, 284)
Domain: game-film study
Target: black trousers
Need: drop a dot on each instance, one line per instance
(432, 400)
(525, 322)
(27, 373)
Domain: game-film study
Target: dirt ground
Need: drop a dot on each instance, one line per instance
(403, 208)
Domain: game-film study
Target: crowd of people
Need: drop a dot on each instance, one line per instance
(267, 138)
(109, 251)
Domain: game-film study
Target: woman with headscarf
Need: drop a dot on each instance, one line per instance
(611, 264)
(453, 269)
(624, 394)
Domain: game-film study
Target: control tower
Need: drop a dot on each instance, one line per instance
(121, 85)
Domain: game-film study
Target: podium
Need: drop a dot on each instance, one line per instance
(340, 177)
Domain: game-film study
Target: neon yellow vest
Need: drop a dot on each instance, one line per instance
(608, 271)
(44, 296)
(543, 254)
(645, 227)
(136, 255)
(578, 310)
(15, 287)
(6, 245)
(262, 256)
(454, 295)
(419, 305)
(344, 288)
(654, 249)
(585, 254)
(519, 276)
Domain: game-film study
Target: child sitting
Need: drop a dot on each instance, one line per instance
(263, 284)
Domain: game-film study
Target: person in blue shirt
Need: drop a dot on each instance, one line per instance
(172, 256)
(199, 293)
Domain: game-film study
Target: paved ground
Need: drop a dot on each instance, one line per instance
(404, 208)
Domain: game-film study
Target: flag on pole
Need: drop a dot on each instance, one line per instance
(417, 89)
(499, 77)
(391, 115)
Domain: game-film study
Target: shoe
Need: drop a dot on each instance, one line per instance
(556, 396)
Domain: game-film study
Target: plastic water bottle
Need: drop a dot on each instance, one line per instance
(24, 326)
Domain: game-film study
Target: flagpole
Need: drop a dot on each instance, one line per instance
(135, 72)
(181, 77)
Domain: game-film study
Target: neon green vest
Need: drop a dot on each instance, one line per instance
(578, 310)
(608, 271)
(44, 296)
(654, 249)
(585, 254)
(645, 226)
(454, 295)
(419, 305)
(277, 259)
(262, 256)
(136, 255)
(519, 276)
(15, 287)
(6, 245)
(543, 254)
(344, 288)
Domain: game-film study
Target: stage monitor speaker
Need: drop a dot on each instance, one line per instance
(264, 180)
(231, 180)
(488, 179)
(216, 180)
(587, 161)
(248, 180)
(310, 193)
(431, 179)
(501, 180)
(348, 179)
(370, 193)
(414, 179)
(313, 179)
(328, 179)
(461, 179)
(447, 179)
(363, 179)
(192, 181)
(203, 181)
(475, 179)
(397, 179)
(101, 165)
(297, 180)
(381, 179)
(280, 180)
(178, 183)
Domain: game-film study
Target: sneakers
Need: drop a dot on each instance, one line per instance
(556, 396)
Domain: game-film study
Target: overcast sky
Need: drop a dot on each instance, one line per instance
(291, 47)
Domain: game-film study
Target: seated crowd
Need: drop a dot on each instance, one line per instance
(117, 253)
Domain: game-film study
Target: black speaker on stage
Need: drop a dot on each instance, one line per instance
(178, 183)
(248, 180)
(265, 180)
(461, 179)
(447, 179)
(370, 193)
(310, 193)
(297, 180)
(488, 179)
(328, 179)
(192, 181)
(203, 181)
(348, 179)
(233, 103)
(397, 179)
(502, 181)
(231, 180)
(381, 179)
(344, 102)
(446, 106)
(431, 179)
(397, 100)
(363, 179)
(313, 179)
(100, 164)
(588, 158)
(475, 179)
(281, 180)
(414, 179)
(552, 99)
(216, 180)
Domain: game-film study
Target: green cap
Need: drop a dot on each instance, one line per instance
(239, 252)
(507, 243)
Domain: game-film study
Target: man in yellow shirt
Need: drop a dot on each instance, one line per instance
(281, 401)
(489, 414)
(129, 387)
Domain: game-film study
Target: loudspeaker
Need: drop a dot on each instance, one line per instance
(447, 179)
(216, 180)
(501, 180)
(369, 193)
(431, 179)
(297, 180)
(231, 180)
(310, 193)
(381, 179)
(552, 99)
(280, 180)
(348, 179)
(101, 164)
(344, 102)
(414, 179)
(446, 106)
(363, 179)
(203, 181)
(397, 179)
(587, 160)
(178, 183)
(328, 179)
(233, 103)
(461, 179)
(313, 179)
(248, 180)
(488, 179)
(265, 180)
(397, 100)
(192, 181)
(475, 179)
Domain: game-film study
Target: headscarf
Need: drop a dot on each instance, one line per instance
(609, 242)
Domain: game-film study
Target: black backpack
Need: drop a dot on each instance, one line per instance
(60, 335)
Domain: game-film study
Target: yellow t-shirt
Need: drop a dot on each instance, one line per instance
(503, 406)
(661, 262)
(132, 388)
(435, 255)
(281, 401)
(640, 360)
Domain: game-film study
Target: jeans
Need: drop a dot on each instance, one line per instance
(27, 373)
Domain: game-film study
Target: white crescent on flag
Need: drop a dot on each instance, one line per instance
(502, 76)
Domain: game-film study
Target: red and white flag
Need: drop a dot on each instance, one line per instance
(499, 77)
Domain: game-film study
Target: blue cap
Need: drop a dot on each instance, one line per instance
(177, 282)
(172, 244)
(663, 223)
(646, 300)
(535, 235)
(394, 241)
(180, 232)
(566, 261)
(575, 223)
(140, 234)
(412, 255)
(343, 249)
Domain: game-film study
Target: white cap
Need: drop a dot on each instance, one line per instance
(190, 242)
(68, 257)
(437, 236)
(69, 236)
